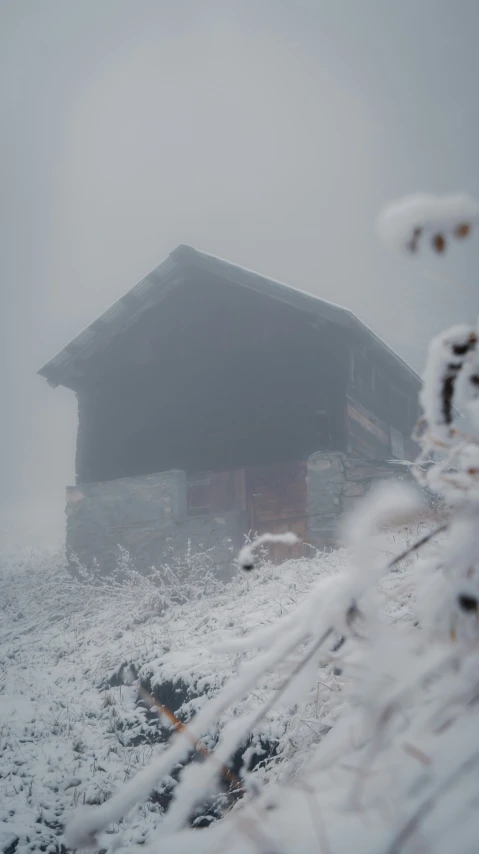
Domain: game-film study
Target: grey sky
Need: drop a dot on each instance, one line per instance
(267, 132)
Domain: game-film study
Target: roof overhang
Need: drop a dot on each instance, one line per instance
(66, 368)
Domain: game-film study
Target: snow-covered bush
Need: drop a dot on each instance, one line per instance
(400, 766)
(175, 580)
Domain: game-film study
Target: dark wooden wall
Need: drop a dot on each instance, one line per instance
(382, 408)
(215, 378)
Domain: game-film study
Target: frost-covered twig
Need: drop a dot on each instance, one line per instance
(417, 545)
(435, 662)
(447, 355)
(294, 673)
(246, 556)
(426, 806)
(403, 224)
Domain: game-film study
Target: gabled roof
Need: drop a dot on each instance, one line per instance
(65, 367)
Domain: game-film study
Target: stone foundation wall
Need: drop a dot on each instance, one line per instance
(148, 515)
(335, 482)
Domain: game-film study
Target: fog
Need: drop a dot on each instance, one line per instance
(266, 132)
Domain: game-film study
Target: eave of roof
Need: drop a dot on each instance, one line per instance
(65, 367)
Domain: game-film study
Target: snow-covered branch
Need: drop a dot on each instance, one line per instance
(406, 223)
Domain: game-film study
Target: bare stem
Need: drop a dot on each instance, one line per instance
(417, 545)
(430, 803)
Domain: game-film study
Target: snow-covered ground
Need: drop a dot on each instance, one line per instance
(349, 765)
(71, 730)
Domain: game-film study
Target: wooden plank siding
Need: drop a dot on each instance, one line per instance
(392, 396)
(367, 433)
(373, 438)
(276, 500)
(216, 492)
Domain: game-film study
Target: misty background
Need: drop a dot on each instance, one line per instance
(268, 132)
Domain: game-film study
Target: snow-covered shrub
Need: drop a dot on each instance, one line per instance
(188, 577)
(175, 580)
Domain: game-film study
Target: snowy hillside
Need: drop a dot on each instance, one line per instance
(71, 729)
(79, 660)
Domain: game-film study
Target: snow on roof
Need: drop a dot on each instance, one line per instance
(65, 367)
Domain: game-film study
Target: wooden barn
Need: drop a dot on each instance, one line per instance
(213, 401)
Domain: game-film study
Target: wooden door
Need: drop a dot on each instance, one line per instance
(276, 502)
(215, 492)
